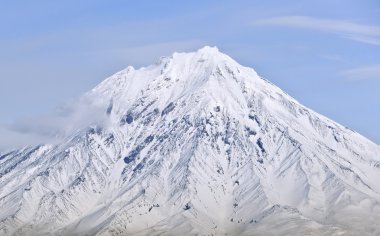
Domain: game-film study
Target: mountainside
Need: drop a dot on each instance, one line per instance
(195, 144)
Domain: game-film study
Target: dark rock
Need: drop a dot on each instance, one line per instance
(128, 118)
(168, 109)
(187, 206)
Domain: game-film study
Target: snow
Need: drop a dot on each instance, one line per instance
(212, 148)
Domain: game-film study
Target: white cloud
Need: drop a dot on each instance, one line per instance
(362, 33)
(12, 139)
(363, 73)
(53, 128)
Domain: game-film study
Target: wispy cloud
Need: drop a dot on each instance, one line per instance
(331, 57)
(12, 139)
(54, 127)
(362, 33)
(363, 73)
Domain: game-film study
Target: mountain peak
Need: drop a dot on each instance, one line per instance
(206, 50)
(203, 56)
(209, 50)
(206, 71)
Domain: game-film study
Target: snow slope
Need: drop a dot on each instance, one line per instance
(195, 145)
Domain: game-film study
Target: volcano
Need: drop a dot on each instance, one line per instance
(195, 144)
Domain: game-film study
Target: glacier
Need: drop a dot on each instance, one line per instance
(195, 144)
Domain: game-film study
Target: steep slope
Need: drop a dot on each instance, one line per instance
(196, 144)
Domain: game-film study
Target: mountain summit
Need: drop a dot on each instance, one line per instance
(194, 145)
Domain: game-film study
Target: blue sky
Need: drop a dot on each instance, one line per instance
(326, 54)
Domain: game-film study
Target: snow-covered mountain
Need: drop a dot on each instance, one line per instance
(195, 145)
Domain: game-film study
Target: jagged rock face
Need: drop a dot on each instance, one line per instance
(196, 144)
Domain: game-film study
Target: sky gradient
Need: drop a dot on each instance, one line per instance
(326, 54)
